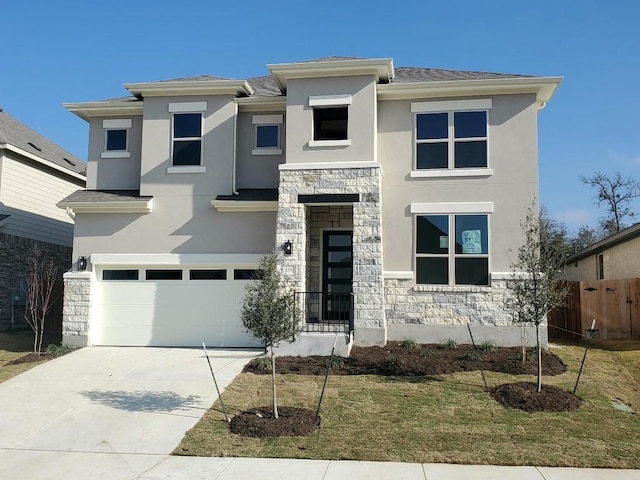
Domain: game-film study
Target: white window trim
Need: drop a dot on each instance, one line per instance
(267, 119)
(446, 208)
(329, 143)
(185, 139)
(330, 100)
(187, 169)
(451, 255)
(450, 107)
(187, 107)
(116, 124)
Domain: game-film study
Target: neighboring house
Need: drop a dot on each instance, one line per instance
(35, 174)
(392, 194)
(615, 257)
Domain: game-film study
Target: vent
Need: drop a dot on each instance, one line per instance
(34, 146)
(69, 161)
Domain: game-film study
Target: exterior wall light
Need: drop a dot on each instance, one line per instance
(288, 247)
(82, 264)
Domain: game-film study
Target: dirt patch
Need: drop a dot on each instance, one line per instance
(420, 360)
(30, 358)
(259, 422)
(524, 396)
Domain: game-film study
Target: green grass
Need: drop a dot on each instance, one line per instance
(449, 418)
(16, 345)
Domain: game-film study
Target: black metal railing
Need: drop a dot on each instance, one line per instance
(326, 312)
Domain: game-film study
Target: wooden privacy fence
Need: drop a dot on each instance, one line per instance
(614, 304)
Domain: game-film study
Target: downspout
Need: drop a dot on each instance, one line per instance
(235, 139)
(70, 213)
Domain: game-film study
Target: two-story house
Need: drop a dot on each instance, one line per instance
(35, 174)
(392, 194)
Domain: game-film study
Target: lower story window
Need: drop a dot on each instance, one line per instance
(452, 250)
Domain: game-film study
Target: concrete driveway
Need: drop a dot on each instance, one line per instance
(108, 412)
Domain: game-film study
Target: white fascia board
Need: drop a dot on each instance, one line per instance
(117, 123)
(267, 119)
(451, 105)
(261, 104)
(452, 173)
(191, 87)
(231, 259)
(451, 207)
(380, 68)
(330, 100)
(543, 87)
(244, 206)
(135, 206)
(47, 163)
(327, 165)
(88, 110)
(179, 107)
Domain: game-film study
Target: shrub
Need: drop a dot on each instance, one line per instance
(487, 347)
(55, 351)
(450, 344)
(408, 344)
(336, 362)
(472, 355)
(427, 352)
(262, 363)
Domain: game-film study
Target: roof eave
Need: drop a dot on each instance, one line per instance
(381, 68)
(245, 205)
(130, 206)
(191, 87)
(86, 110)
(543, 87)
(610, 242)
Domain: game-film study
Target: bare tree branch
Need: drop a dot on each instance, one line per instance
(615, 193)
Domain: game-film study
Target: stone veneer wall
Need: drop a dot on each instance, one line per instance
(14, 252)
(77, 308)
(368, 285)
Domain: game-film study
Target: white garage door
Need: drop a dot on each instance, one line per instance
(172, 306)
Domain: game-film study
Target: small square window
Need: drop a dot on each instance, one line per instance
(330, 123)
(116, 140)
(267, 136)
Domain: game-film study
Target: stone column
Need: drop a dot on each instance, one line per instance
(76, 312)
(291, 225)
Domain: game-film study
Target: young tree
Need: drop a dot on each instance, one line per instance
(40, 280)
(615, 193)
(270, 312)
(536, 273)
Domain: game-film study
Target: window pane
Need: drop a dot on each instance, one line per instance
(207, 275)
(472, 271)
(470, 124)
(472, 234)
(330, 123)
(339, 257)
(337, 240)
(339, 273)
(116, 140)
(186, 152)
(432, 155)
(245, 274)
(187, 125)
(339, 288)
(120, 275)
(432, 270)
(267, 136)
(164, 275)
(432, 126)
(471, 154)
(433, 234)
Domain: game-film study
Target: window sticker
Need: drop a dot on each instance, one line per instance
(471, 241)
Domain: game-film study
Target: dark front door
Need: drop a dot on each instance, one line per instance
(337, 274)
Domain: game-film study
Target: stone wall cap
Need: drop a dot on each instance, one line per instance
(72, 275)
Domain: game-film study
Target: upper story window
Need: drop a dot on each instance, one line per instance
(267, 134)
(330, 120)
(116, 138)
(186, 137)
(451, 135)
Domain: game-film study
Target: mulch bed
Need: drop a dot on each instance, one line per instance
(525, 396)
(422, 360)
(29, 358)
(259, 422)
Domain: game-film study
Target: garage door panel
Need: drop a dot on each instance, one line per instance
(170, 313)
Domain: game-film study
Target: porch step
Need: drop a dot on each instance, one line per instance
(307, 344)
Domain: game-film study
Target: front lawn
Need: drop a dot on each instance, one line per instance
(445, 418)
(18, 345)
